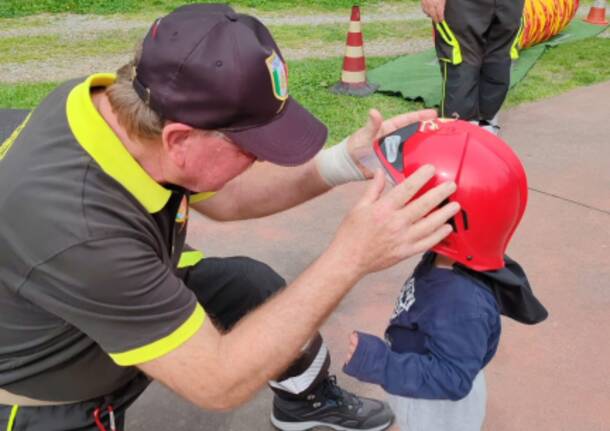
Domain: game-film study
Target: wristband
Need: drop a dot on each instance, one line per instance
(336, 166)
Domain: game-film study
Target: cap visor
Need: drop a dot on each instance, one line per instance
(291, 139)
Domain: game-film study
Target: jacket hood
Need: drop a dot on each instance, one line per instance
(512, 291)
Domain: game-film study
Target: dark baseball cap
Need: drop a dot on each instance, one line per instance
(212, 68)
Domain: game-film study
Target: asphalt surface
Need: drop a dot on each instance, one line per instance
(554, 376)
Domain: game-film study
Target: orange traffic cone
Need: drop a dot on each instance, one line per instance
(597, 13)
(353, 77)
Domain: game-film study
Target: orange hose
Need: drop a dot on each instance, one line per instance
(544, 19)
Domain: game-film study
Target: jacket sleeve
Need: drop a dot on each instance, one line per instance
(456, 352)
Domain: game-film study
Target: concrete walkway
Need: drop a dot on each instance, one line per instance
(554, 376)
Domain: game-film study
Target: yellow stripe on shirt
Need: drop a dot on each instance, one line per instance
(8, 143)
(190, 258)
(164, 345)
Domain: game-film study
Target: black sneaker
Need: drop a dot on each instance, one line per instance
(332, 407)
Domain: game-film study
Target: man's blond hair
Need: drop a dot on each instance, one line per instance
(133, 114)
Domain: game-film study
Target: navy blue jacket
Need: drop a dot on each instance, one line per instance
(444, 330)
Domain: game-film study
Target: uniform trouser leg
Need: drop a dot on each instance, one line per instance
(461, 91)
(493, 88)
(76, 416)
(500, 49)
(474, 47)
(229, 288)
(459, 44)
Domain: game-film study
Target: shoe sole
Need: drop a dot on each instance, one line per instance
(303, 426)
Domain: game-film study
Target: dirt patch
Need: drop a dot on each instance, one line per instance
(70, 26)
(65, 68)
(59, 69)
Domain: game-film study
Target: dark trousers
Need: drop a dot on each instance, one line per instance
(476, 80)
(227, 288)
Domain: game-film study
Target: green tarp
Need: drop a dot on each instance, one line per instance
(418, 76)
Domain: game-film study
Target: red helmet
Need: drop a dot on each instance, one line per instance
(491, 184)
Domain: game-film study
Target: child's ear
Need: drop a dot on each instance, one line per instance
(175, 141)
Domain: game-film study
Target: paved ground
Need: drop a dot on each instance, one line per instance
(551, 377)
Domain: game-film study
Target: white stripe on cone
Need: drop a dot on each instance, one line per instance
(353, 77)
(354, 51)
(354, 27)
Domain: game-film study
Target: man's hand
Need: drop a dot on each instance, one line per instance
(353, 345)
(382, 230)
(435, 9)
(360, 144)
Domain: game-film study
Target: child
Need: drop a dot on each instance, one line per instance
(446, 323)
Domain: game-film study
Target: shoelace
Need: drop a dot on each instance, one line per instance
(336, 392)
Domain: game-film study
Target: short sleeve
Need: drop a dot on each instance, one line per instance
(119, 293)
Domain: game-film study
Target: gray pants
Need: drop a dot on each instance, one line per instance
(466, 414)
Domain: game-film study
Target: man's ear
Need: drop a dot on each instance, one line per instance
(175, 137)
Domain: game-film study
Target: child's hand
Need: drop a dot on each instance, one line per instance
(353, 344)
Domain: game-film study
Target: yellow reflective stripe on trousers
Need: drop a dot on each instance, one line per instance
(514, 50)
(190, 258)
(449, 38)
(444, 89)
(8, 143)
(11, 419)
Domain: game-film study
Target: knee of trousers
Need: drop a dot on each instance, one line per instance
(461, 91)
(496, 73)
(494, 85)
(260, 281)
(230, 287)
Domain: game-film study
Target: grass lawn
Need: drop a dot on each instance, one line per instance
(24, 96)
(19, 49)
(16, 8)
(562, 68)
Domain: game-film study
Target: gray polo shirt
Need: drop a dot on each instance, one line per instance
(89, 243)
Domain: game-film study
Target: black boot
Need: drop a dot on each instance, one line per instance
(330, 406)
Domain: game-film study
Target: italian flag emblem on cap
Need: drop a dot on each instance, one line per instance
(279, 76)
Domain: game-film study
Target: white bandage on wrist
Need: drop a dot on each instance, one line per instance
(336, 166)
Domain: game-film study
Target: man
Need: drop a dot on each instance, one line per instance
(96, 294)
(476, 42)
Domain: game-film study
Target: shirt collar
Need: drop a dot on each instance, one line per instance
(98, 139)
